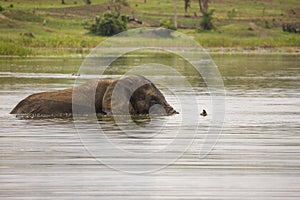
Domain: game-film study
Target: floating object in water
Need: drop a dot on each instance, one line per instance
(204, 113)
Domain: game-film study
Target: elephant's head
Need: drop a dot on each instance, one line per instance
(135, 95)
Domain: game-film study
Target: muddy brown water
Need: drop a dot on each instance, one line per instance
(257, 155)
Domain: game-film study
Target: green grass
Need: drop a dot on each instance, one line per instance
(7, 48)
(58, 29)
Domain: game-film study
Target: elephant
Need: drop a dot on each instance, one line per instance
(134, 95)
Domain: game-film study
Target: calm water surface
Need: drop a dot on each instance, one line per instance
(257, 155)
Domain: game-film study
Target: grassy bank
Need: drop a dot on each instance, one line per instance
(46, 27)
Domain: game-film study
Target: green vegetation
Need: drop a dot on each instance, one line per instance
(1, 8)
(109, 24)
(168, 23)
(231, 13)
(206, 21)
(47, 27)
(7, 48)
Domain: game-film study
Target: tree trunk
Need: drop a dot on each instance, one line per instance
(203, 5)
(186, 5)
(175, 14)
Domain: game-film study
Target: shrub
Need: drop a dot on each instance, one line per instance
(167, 23)
(291, 28)
(206, 21)
(267, 24)
(109, 24)
(231, 13)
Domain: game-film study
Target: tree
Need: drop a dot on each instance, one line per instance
(175, 15)
(203, 5)
(207, 16)
(63, 2)
(206, 21)
(187, 4)
(88, 2)
(118, 4)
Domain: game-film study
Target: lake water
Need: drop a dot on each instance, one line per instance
(256, 156)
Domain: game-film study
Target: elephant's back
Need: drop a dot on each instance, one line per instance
(46, 103)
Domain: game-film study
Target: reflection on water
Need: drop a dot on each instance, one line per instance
(256, 156)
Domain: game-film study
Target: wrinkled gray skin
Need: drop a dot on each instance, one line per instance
(131, 95)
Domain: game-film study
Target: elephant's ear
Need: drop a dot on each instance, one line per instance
(116, 99)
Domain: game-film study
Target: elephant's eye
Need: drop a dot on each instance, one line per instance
(153, 101)
(140, 98)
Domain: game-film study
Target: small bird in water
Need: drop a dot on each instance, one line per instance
(204, 113)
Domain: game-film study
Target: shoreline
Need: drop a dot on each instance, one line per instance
(254, 50)
(71, 52)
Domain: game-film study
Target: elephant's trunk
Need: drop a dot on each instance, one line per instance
(170, 110)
